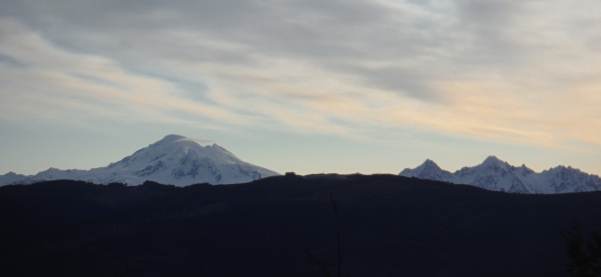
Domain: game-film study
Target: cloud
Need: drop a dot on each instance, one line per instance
(510, 71)
(60, 85)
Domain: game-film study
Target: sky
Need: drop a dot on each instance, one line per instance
(308, 86)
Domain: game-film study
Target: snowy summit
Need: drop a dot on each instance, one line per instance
(173, 160)
(498, 175)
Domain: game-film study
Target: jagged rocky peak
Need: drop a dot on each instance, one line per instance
(493, 160)
(427, 170)
(426, 165)
(430, 164)
(496, 174)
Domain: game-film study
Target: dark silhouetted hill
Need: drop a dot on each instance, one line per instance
(390, 226)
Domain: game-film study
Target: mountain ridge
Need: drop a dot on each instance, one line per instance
(498, 175)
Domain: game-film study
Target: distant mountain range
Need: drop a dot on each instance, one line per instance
(495, 174)
(173, 160)
(181, 161)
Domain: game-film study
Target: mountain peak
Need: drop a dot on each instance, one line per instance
(429, 164)
(175, 159)
(427, 170)
(216, 146)
(494, 161)
(172, 137)
(498, 175)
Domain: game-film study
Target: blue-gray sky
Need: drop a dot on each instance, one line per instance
(306, 86)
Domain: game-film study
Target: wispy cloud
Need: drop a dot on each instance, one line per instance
(66, 86)
(511, 71)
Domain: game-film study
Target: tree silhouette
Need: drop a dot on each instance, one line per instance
(582, 263)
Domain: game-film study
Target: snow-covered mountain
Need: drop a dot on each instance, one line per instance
(495, 174)
(173, 160)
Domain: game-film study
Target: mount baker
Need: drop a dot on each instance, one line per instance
(498, 175)
(173, 160)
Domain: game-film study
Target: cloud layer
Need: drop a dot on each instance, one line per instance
(523, 72)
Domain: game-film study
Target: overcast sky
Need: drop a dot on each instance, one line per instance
(307, 86)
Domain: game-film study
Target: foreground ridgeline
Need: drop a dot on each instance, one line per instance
(495, 174)
(173, 160)
(389, 226)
